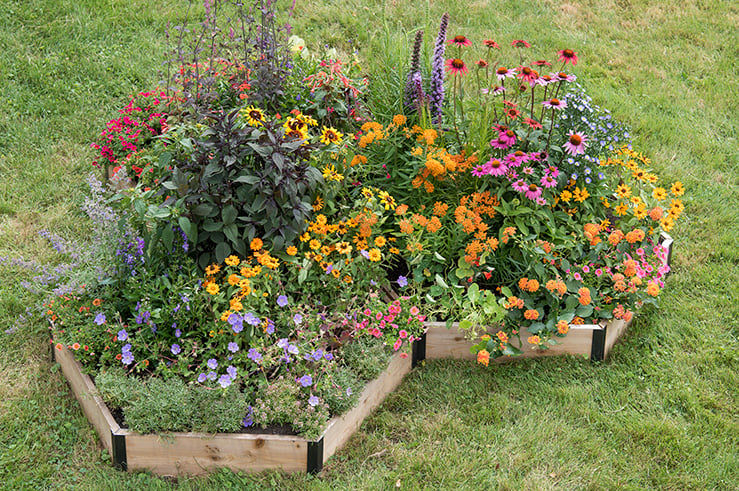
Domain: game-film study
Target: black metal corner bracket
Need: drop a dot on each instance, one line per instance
(598, 344)
(315, 456)
(419, 351)
(119, 451)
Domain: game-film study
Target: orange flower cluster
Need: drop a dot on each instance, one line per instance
(528, 285)
(585, 298)
(557, 286)
(513, 303)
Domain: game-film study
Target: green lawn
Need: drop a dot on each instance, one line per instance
(662, 413)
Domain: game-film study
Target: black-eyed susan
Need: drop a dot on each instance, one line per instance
(253, 115)
(331, 136)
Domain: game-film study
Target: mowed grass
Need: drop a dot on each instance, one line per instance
(662, 413)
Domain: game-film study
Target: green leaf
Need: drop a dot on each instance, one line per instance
(506, 291)
(439, 257)
(211, 226)
(229, 214)
(440, 281)
(473, 293)
(232, 232)
(465, 324)
(536, 327)
(223, 250)
(584, 311)
(168, 237)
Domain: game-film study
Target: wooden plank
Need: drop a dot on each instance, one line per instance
(177, 454)
(451, 343)
(88, 397)
(340, 429)
(616, 329)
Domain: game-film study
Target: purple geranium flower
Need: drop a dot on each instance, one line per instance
(305, 381)
(122, 335)
(402, 281)
(282, 300)
(100, 319)
(233, 347)
(212, 363)
(175, 349)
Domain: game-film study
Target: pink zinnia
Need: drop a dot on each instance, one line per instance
(576, 143)
(496, 167)
(555, 103)
(533, 192)
(456, 66)
(568, 56)
(520, 186)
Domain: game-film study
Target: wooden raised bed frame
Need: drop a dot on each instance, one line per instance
(174, 454)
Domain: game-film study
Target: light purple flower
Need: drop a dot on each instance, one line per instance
(122, 335)
(402, 281)
(100, 319)
(233, 347)
(305, 381)
(282, 300)
(212, 375)
(225, 381)
(212, 363)
(231, 370)
(254, 355)
(201, 378)
(297, 319)
(313, 400)
(127, 358)
(175, 349)
(237, 323)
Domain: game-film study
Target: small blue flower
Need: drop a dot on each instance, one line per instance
(212, 363)
(328, 356)
(297, 319)
(231, 370)
(100, 319)
(212, 375)
(175, 349)
(127, 358)
(305, 381)
(122, 335)
(402, 281)
(233, 347)
(202, 377)
(254, 355)
(313, 400)
(282, 300)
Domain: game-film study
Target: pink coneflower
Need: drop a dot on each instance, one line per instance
(496, 167)
(568, 56)
(533, 124)
(533, 192)
(460, 41)
(541, 63)
(456, 66)
(555, 103)
(502, 73)
(576, 143)
(564, 77)
(544, 80)
(481, 63)
(528, 170)
(500, 143)
(552, 170)
(520, 43)
(478, 171)
(508, 137)
(512, 175)
(548, 181)
(528, 75)
(521, 186)
(516, 158)
(541, 201)
(512, 112)
(491, 44)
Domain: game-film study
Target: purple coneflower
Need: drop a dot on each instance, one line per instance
(555, 103)
(576, 144)
(533, 192)
(521, 186)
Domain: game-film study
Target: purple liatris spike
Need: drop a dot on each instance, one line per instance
(436, 96)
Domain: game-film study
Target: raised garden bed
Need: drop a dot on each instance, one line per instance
(174, 454)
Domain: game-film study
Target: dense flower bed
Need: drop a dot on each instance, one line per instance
(265, 234)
